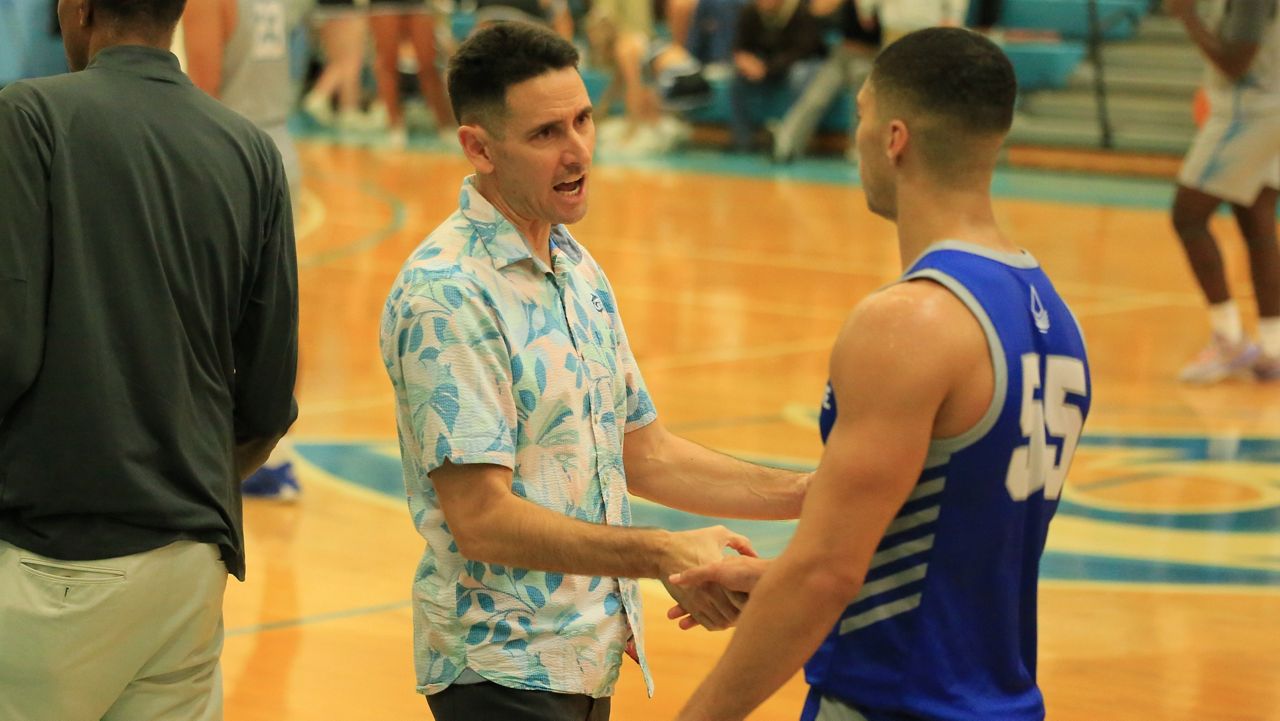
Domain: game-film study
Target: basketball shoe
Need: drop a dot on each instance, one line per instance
(273, 482)
(1220, 360)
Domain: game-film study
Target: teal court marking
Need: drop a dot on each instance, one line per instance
(316, 618)
(1253, 529)
(367, 241)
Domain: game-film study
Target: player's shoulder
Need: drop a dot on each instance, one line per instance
(911, 328)
(913, 308)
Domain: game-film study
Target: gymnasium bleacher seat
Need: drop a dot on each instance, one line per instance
(1070, 18)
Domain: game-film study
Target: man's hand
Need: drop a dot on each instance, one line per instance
(737, 575)
(750, 66)
(706, 604)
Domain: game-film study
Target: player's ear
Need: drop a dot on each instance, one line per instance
(897, 138)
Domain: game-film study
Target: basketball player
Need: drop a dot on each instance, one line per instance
(1235, 159)
(956, 399)
(237, 51)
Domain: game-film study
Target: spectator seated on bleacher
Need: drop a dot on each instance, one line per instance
(846, 67)
(712, 29)
(778, 49)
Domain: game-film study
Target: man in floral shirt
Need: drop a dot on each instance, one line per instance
(524, 421)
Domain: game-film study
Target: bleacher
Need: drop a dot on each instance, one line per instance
(1151, 72)
(1047, 43)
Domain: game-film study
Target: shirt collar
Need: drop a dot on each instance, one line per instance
(141, 60)
(500, 237)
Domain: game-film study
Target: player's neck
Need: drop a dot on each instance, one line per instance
(929, 215)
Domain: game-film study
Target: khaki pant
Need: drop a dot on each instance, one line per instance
(121, 639)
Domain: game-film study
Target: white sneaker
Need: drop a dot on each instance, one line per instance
(611, 131)
(353, 121)
(674, 130)
(397, 138)
(318, 108)
(377, 117)
(646, 141)
(1220, 360)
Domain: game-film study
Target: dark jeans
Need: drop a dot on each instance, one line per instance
(490, 702)
(750, 101)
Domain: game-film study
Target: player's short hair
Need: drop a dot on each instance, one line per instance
(494, 59)
(956, 77)
(163, 14)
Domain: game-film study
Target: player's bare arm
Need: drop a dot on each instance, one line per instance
(894, 396)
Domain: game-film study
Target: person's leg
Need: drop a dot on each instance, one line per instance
(345, 43)
(317, 101)
(422, 32)
(1229, 352)
(1192, 210)
(386, 55)
(77, 634)
(600, 709)
(182, 678)
(1258, 227)
(680, 20)
(468, 702)
(744, 96)
(796, 128)
(50, 613)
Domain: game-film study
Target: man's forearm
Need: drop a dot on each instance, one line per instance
(522, 534)
(679, 473)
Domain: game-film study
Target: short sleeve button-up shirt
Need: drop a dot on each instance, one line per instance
(497, 359)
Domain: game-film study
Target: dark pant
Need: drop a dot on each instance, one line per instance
(490, 702)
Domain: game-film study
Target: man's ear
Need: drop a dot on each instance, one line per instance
(84, 13)
(898, 139)
(477, 146)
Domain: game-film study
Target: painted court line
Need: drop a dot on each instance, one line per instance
(317, 618)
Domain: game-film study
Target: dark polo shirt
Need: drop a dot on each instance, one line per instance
(148, 309)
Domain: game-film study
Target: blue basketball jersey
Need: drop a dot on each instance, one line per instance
(944, 628)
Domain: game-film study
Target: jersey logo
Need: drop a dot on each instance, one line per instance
(1038, 312)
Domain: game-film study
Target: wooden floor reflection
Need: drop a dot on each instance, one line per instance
(732, 289)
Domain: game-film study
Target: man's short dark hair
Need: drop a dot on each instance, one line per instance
(956, 76)
(159, 14)
(497, 57)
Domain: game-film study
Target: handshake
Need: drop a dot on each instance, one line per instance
(709, 587)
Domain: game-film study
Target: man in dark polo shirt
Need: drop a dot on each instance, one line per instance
(148, 346)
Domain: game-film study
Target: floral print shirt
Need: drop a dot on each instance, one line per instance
(497, 359)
